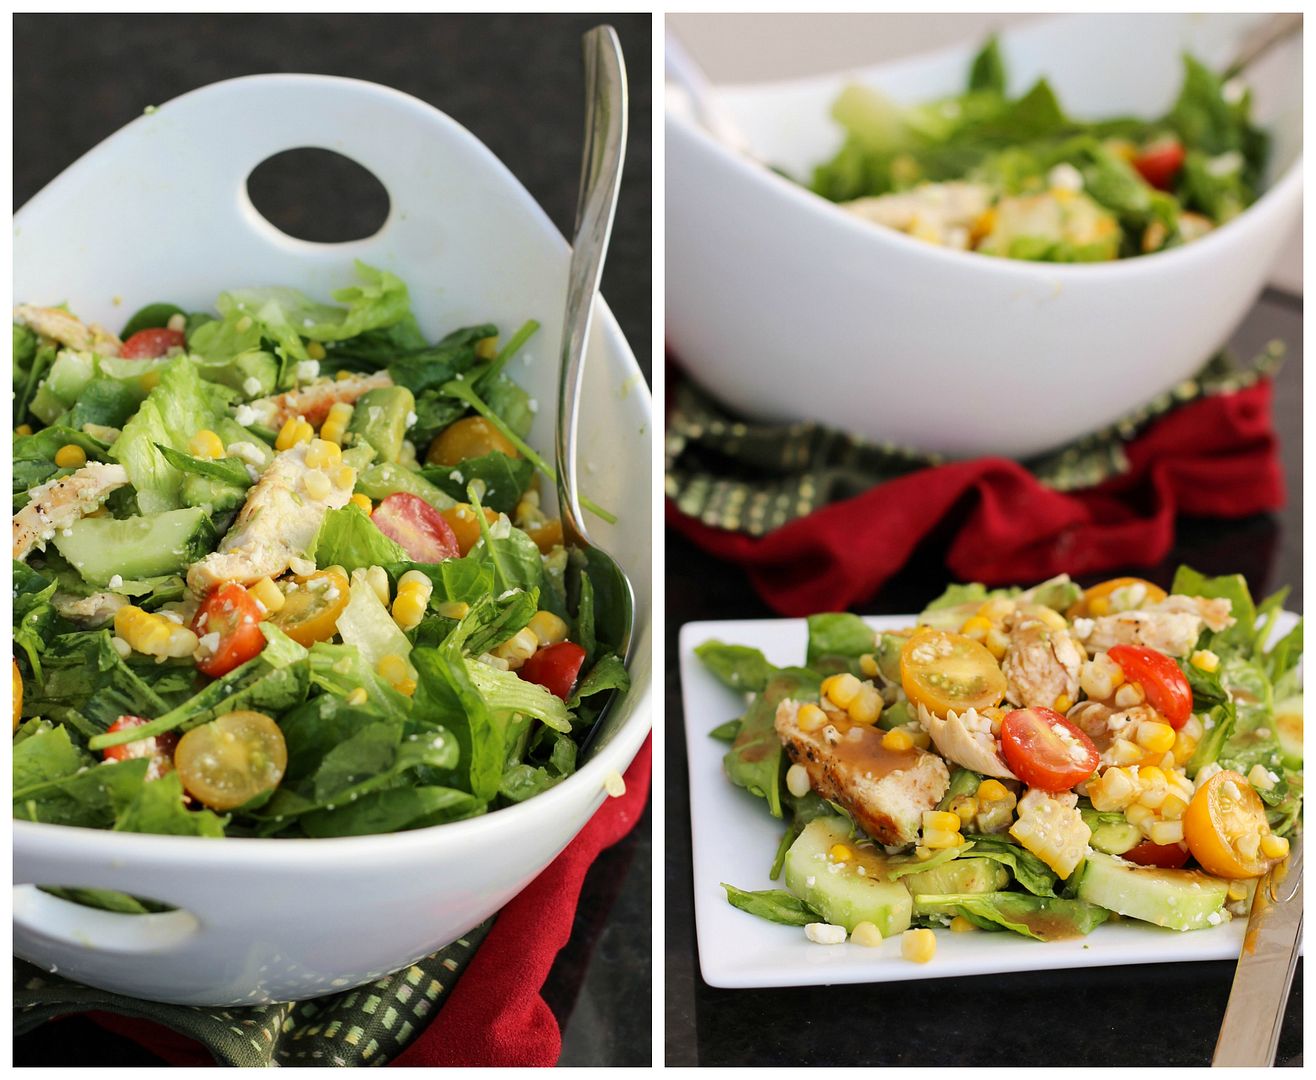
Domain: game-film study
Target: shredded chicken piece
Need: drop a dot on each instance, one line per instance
(59, 503)
(1041, 664)
(967, 740)
(1171, 632)
(68, 329)
(91, 611)
(1213, 610)
(311, 402)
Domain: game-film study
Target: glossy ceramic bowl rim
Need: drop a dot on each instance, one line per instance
(1286, 185)
(615, 756)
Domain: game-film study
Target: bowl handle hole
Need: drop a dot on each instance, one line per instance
(100, 920)
(318, 195)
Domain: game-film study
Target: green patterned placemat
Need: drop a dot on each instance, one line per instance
(369, 1025)
(755, 477)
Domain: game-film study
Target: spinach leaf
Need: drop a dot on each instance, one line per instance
(987, 72)
(755, 760)
(33, 613)
(775, 905)
(392, 810)
(158, 807)
(838, 634)
(737, 666)
(505, 479)
(608, 674)
(1028, 870)
(1045, 918)
(726, 732)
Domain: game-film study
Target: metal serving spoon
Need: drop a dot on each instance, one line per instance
(600, 178)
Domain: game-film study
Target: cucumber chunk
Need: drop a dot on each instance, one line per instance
(1288, 730)
(838, 890)
(1177, 899)
(148, 545)
(965, 875)
(1112, 837)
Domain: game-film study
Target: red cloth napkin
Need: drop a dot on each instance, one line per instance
(1217, 456)
(495, 1015)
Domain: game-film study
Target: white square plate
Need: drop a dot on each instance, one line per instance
(734, 839)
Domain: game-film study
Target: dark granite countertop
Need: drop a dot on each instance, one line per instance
(1149, 1015)
(515, 81)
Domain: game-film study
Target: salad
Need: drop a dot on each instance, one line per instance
(282, 571)
(1019, 178)
(1032, 761)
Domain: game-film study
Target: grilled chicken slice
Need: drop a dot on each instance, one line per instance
(311, 402)
(59, 503)
(967, 740)
(1041, 664)
(1172, 632)
(1214, 611)
(276, 525)
(884, 791)
(68, 329)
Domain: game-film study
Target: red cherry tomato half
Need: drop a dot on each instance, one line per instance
(417, 526)
(152, 746)
(1161, 680)
(148, 344)
(1169, 856)
(1160, 163)
(555, 667)
(1045, 750)
(228, 625)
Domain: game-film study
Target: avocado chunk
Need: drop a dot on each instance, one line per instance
(888, 656)
(1111, 833)
(1177, 899)
(850, 892)
(148, 545)
(388, 478)
(381, 419)
(966, 875)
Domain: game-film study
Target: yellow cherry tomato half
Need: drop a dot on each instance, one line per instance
(469, 438)
(231, 760)
(1096, 601)
(946, 671)
(18, 695)
(311, 606)
(1224, 825)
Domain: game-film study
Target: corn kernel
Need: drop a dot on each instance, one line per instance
(993, 791)
(961, 925)
(547, 627)
(840, 853)
(206, 444)
(1100, 677)
(1172, 809)
(322, 454)
(996, 643)
(23, 429)
(408, 610)
(996, 609)
(1124, 752)
(1137, 814)
(1205, 660)
(897, 740)
(866, 934)
(269, 595)
(976, 627)
(1274, 847)
(1062, 704)
(362, 502)
(1151, 776)
(841, 689)
(487, 348)
(918, 946)
(70, 456)
(1238, 890)
(295, 430)
(1166, 832)
(797, 781)
(940, 819)
(377, 579)
(964, 807)
(1129, 695)
(336, 422)
(344, 476)
(922, 853)
(938, 839)
(1248, 845)
(1259, 777)
(516, 650)
(867, 705)
(358, 696)
(317, 485)
(151, 380)
(811, 718)
(315, 350)
(342, 375)
(454, 609)
(1155, 736)
(868, 665)
(393, 668)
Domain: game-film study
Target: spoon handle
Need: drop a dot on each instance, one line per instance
(1262, 39)
(600, 179)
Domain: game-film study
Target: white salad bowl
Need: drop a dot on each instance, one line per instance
(159, 212)
(786, 307)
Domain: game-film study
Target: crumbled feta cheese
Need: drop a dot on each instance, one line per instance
(825, 933)
(251, 387)
(411, 419)
(209, 642)
(1065, 177)
(246, 415)
(116, 581)
(307, 370)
